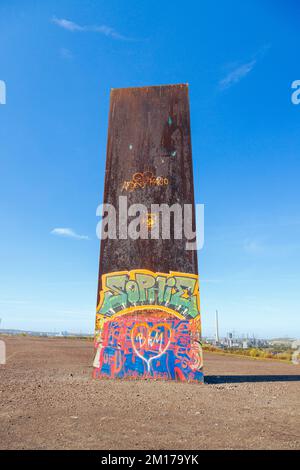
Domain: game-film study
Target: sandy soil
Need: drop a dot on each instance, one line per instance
(49, 401)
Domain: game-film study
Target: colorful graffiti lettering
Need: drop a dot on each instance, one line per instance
(125, 291)
(142, 180)
(148, 325)
(149, 344)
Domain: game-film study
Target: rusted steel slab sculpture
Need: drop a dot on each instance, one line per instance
(148, 307)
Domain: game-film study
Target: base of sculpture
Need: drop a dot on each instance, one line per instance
(149, 344)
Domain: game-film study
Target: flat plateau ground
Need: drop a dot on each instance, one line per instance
(48, 400)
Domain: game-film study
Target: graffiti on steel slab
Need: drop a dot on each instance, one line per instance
(148, 324)
(142, 180)
(127, 290)
(149, 344)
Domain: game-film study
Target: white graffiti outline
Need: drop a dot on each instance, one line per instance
(150, 343)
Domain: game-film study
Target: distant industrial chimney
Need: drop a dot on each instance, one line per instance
(217, 327)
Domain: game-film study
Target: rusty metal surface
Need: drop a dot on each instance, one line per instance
(149, 131)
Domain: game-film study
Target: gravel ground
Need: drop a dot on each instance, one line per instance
(48, 400)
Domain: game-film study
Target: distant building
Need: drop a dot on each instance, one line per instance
(283, 342)
(296, 344)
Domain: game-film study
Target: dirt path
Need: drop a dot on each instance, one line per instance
(49, 401)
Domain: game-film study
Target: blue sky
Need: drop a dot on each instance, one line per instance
(59, 60)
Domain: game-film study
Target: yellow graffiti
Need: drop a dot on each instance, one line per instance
(142, 180)
(150, 220)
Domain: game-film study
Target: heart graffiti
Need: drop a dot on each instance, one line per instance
(150, 340)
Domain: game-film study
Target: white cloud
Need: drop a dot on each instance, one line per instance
(102, 29)
(66, 24)
(237, 74)
(69, 233)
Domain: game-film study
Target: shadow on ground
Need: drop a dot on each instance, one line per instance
(237, 379)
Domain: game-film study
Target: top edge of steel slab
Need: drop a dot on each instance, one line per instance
(178, 85)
